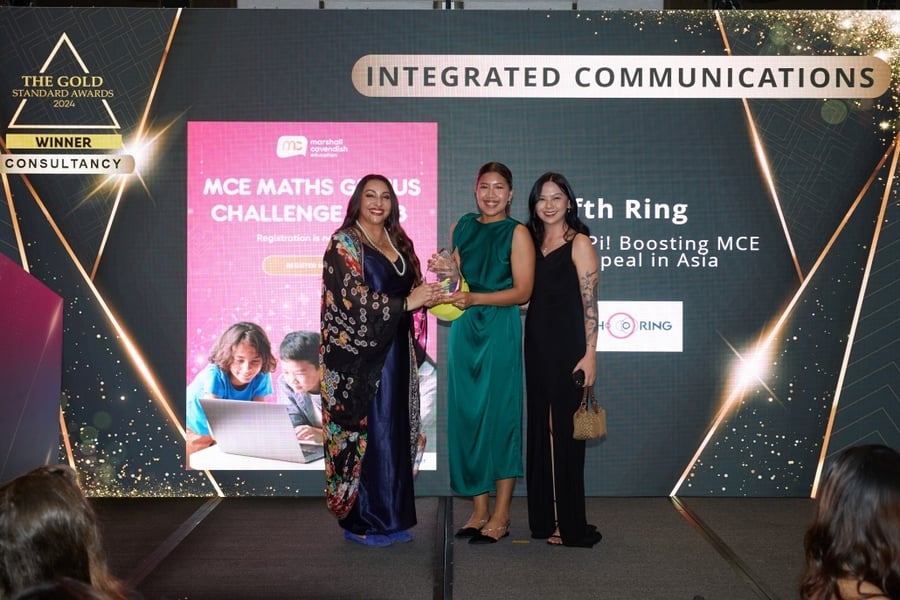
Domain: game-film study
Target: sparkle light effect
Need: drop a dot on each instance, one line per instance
(751, 370)
(879, 223)
(737, 395)
(762, 159)
(828, 33)
(131, 350)
(823, 33)
(143, 146)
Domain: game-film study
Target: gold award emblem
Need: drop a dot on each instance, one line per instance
(64, 123)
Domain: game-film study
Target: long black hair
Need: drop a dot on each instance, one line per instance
(49, 532)
(573, 221)
(391, 224)
(855, 534)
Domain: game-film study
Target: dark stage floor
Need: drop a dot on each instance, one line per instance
(285, 548)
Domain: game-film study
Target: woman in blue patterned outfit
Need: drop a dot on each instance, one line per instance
(372, 290)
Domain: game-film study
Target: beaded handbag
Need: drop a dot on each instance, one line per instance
(590, 419)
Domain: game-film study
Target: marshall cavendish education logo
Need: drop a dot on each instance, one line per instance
(289, 146)
(64, 123)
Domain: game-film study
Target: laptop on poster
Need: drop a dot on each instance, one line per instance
(260, 429)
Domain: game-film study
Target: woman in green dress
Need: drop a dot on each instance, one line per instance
(496, 257)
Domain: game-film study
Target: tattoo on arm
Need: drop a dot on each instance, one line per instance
(589, 300)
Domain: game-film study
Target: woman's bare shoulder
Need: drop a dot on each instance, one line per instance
(850, 591)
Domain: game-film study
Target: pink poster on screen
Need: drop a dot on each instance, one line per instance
(263, 200)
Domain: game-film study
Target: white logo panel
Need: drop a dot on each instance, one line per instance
(640, 326)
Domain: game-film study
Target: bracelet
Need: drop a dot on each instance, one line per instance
(404, 305)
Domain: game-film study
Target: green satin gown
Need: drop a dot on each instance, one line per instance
(485, 365)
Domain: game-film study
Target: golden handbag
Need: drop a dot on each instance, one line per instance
(590, 418)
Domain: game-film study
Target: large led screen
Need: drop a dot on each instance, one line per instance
(171, 172)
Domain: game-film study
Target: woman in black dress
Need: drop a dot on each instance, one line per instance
(560, 341)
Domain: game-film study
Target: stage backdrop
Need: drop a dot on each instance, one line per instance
(168, 172)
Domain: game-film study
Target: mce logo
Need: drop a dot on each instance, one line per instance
(291, 145)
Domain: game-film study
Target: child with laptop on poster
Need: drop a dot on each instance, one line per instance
(298, 386)
(240, 368)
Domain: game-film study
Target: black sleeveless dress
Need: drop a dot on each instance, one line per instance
(554, 342)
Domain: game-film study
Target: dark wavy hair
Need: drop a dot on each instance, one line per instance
(500, 169)
(50, 533)
(855, 533)
(573, 221)
(222, 353)
(392, 224)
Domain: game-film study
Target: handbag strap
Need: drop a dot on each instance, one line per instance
(587, 398)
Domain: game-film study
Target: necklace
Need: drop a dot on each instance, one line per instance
(402, 268)
(549, 246)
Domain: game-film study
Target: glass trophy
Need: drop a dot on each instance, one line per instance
(446, 270)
